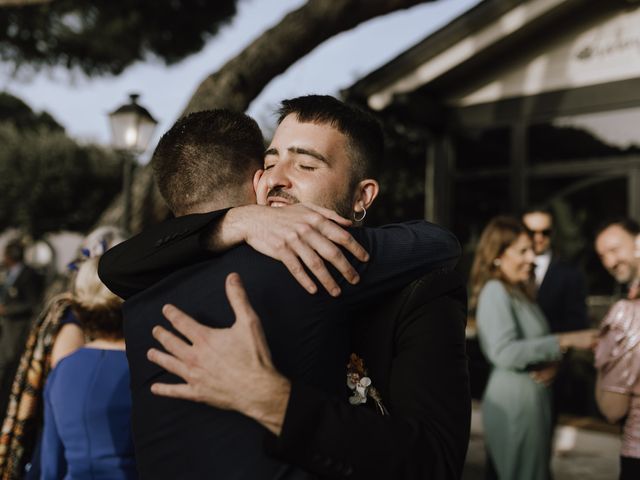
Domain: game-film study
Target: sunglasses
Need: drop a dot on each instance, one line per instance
(546, 232)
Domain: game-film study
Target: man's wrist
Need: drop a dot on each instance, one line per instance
(267, 403)
(563, 343)
(228, 231)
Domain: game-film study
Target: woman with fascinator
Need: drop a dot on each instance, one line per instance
(514, 337)
(55, 334)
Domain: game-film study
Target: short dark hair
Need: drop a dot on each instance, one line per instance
(546, 209)
(205, 156)
(15, 250)
(628, 224)
(362, 129)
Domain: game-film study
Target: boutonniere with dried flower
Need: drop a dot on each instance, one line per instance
(360, 384)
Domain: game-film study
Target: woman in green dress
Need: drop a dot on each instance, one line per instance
(514, 336)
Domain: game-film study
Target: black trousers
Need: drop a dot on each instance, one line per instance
(629, 468)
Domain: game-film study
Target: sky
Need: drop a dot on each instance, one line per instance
(81, 104)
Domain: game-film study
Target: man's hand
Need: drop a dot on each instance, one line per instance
(296, 235)
(227, 368)
(545, 375)
(580, 339)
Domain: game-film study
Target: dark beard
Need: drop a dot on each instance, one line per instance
(341, 206)
(279, 192)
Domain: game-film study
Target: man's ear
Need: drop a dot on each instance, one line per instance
(256, 178)
(366, 192)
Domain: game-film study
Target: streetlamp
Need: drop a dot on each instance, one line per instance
(131, 129)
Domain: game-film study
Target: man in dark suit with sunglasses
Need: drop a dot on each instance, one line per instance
(561, 286)
(562, 297)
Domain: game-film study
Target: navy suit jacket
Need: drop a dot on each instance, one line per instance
(562, 297)
(308, 336)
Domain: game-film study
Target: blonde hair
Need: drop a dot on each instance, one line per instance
(101, 239)
(97, 308)
(499, 234)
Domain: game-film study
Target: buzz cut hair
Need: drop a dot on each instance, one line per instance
(205, 157)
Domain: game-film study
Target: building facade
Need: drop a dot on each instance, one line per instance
(525, 102)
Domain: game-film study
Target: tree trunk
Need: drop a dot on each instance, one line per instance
(147, 206)
(242, 78)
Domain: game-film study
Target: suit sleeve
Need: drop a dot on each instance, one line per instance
(148, 257)
(427, 433)
(399, 254)
(575, 307)
(499, 333)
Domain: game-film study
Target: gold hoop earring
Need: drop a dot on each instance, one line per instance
(364, 214)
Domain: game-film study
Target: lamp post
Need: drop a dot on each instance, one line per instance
(131, 129)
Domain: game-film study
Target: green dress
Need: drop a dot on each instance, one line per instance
(516, 410)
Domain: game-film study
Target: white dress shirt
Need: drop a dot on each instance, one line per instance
(542, 265)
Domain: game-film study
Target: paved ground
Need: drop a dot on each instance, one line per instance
(580, 453)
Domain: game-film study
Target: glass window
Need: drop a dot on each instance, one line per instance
(585, 136)
(475, 202)
(476, 149)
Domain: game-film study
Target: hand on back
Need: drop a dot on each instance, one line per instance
(227, 368)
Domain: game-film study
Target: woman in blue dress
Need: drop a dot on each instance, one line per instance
(54, 334)
(87, 427)
(514, 336)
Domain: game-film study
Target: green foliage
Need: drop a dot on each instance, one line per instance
(48, 181)
(106, 36)
(18, 113)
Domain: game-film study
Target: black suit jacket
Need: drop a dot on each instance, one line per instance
(562, 297)
(20, 301)
(307, 334)
(413, 344)
(23, 297)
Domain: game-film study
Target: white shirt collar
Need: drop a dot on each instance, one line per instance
(542, 265)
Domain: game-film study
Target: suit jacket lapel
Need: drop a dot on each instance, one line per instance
(546, 282)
